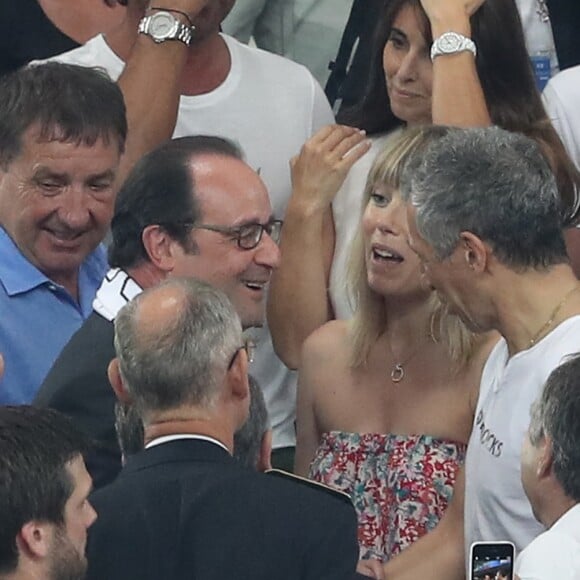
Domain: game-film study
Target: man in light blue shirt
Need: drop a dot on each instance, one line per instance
(62, 133)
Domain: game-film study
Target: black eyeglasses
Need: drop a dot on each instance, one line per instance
(249, 346)
(247, 236)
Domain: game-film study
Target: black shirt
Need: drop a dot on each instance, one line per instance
(27, 34)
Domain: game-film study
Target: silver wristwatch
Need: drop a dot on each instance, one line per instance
(451, 43)
(162, 26)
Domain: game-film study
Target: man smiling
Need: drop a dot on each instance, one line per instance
(190, 208)
(62, 132)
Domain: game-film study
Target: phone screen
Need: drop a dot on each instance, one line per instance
(492, 561)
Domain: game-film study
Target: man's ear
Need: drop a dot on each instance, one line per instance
(116, 380)
(238, 376)
(544, 468)
(475, 251)
(160, 247)
(35, 539)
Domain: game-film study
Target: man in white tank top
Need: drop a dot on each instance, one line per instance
(484, 219)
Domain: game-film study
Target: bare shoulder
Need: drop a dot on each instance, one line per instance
(328, 341)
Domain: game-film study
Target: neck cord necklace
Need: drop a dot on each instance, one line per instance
(550, 320)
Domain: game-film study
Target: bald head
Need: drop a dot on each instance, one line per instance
(174, 342)
(158, 314)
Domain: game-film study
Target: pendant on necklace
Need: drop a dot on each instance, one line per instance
(398, 373)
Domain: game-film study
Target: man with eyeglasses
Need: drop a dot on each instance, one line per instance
(183, 507)
(191, 208)
(181, 76)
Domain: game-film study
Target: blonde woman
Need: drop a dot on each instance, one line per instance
(386, 399)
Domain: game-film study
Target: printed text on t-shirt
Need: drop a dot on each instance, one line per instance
(487, 438)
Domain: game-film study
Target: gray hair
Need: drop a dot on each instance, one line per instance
(183, 360)
(495, 184)
(248, 439)
(129, 429)
(557, 415)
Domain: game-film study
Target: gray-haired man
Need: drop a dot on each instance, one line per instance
(183, 507)
(551, 478)
(484, 219)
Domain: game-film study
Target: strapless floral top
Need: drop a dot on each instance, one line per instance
(400, 484)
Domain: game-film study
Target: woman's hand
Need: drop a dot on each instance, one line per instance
(450, 15)
(320, 169)
(436, 8)
(371, 568)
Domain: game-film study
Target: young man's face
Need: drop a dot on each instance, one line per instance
(68, 560)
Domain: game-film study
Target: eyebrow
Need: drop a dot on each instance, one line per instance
(397, 31)
(109, 174)
(253, 221)
(47, 172)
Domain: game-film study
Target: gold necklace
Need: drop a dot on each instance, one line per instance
(550, 320)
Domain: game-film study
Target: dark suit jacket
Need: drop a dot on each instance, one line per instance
(186, 510)
(77, 385)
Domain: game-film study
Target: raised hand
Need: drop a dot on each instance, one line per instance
(324, 162)
(450, 15)
(190, 7)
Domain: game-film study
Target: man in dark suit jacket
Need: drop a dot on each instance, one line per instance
(157, 233)
(183, 508)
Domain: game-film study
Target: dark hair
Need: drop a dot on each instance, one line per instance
(69, 103)
(35, 447)
(160, 190)
(248, 439)
(506, 77)
(557, 415)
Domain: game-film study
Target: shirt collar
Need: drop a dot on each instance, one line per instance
(569, 520)
(17, 274)
(180, 436)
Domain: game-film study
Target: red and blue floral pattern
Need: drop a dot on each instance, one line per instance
(400, 484)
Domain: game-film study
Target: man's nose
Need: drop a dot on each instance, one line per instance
(75, 212)
(268, 252)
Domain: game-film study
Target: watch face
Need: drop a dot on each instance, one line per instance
(449, 43)
(163, 25)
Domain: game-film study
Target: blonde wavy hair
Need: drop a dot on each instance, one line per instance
(370, 315)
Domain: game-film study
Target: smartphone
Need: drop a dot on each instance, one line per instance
(491, 561)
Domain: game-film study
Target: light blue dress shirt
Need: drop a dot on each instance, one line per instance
(38, 317)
